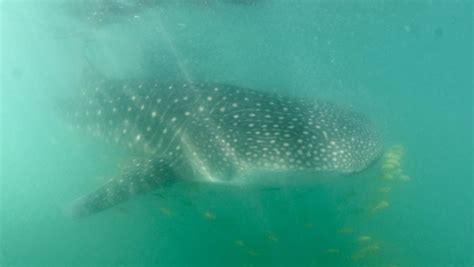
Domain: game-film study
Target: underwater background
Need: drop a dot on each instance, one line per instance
(405, 64)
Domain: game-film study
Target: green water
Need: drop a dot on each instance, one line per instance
(405, 64)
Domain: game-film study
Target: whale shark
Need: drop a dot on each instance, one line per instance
(215, 133)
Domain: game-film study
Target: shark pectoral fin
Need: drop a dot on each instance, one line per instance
(140, 177)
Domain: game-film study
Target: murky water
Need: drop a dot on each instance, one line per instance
(405, 65)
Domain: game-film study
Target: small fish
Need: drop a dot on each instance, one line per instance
(345, 230)
(158, 194)
(385, 189)
(165, 211)
(309, 225)
(209, 216)
(272, 237)
(252, 253)
(122, 209)
(239, 243)
(332, 251)
(366, 251)
(380, 206)
(405, 178)
(364, 238)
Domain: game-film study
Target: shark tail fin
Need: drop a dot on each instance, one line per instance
(141, 176)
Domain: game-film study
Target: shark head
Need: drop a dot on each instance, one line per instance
(351, 142)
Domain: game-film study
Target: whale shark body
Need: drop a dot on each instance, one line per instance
(215, 133)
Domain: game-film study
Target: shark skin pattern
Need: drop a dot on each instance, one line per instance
(215, 133)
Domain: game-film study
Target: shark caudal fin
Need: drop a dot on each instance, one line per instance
(140, 177)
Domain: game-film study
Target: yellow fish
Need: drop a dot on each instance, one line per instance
(209, 216)
(345, 230)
